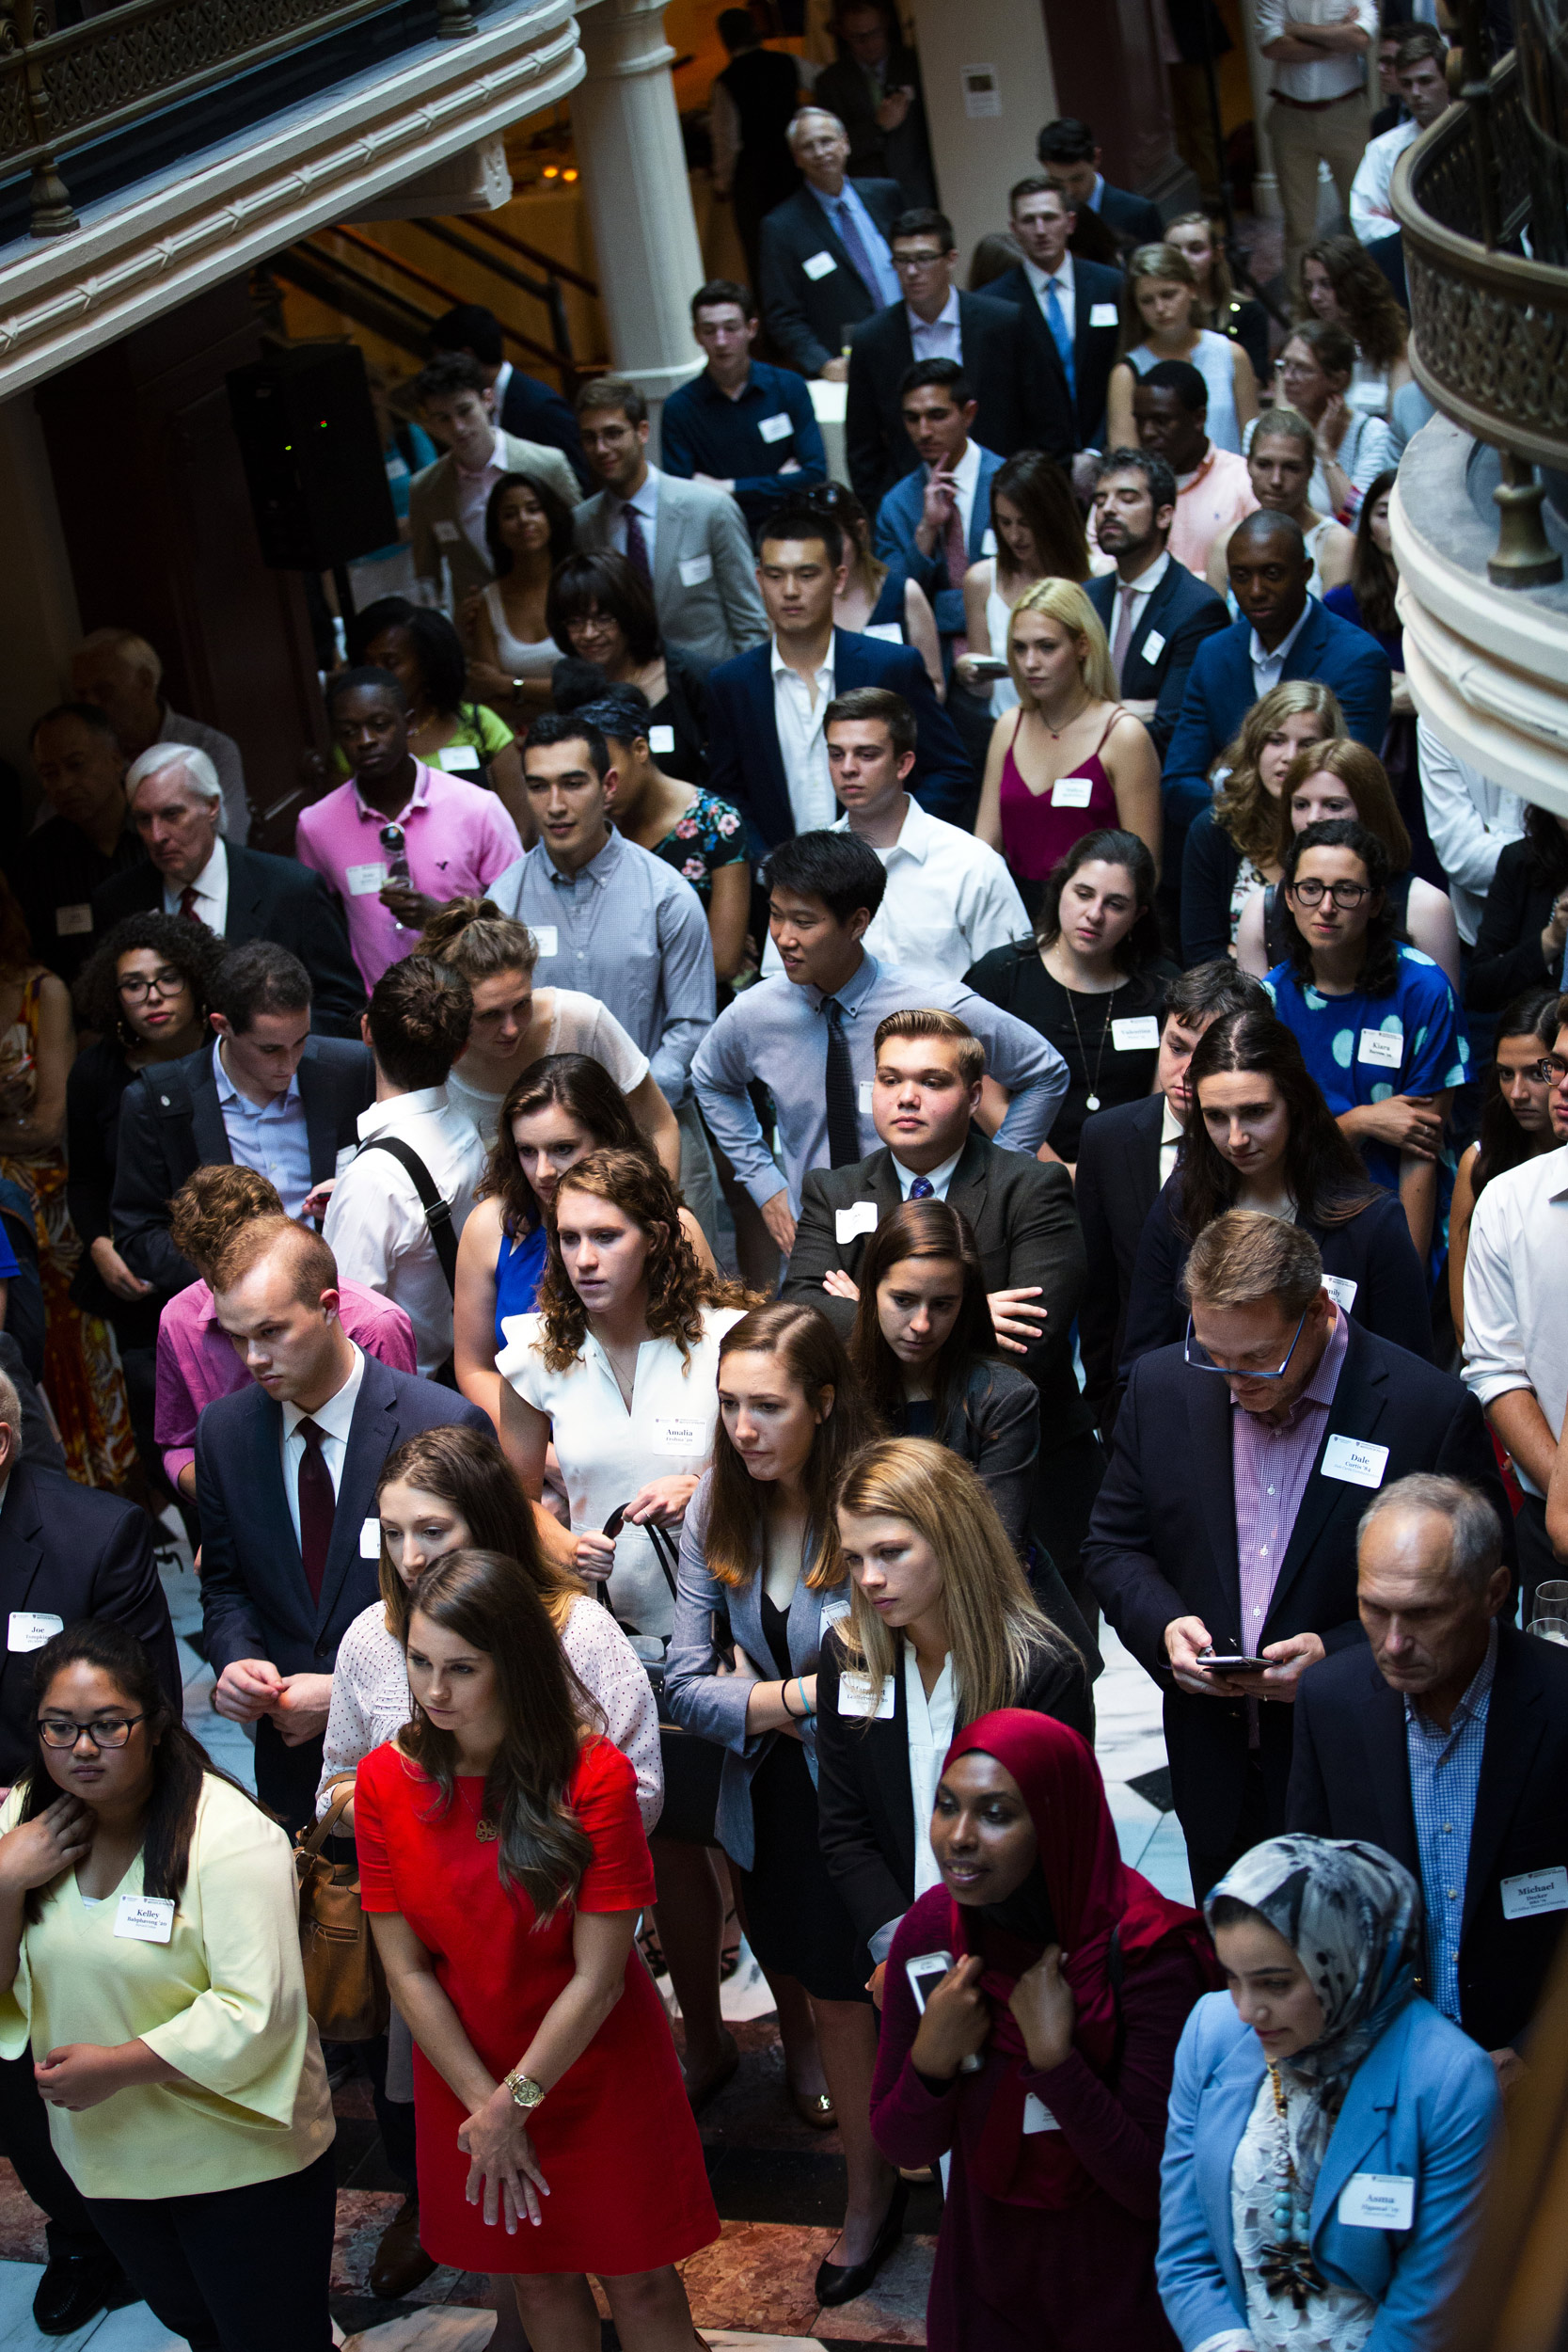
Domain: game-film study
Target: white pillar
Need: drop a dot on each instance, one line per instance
(1265, 187)
(629, 141)
(38, 618)
(978, 155)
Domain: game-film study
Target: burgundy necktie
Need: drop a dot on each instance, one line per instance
(1123, 637)
(637, 548)
(318, 1507)
(187, 903)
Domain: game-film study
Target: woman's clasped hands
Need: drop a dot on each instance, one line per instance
(505, 2178)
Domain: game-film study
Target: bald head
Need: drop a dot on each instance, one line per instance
(122, 675)
(1429, 1579)
(1269, 567)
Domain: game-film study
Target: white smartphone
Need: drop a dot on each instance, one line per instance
(925, 1970)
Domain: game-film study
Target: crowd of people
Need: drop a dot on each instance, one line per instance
(844, 1086)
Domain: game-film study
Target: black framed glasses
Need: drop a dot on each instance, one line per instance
(135, 985)
(1200, 1360)
(1549, 1071)
(1346, 896)
(104, 1731)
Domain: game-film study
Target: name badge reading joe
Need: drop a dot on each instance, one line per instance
(145, 1919)
(29, 1628)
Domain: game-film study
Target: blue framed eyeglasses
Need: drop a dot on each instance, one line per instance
(1199, 1356)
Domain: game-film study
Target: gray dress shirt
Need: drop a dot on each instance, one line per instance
(777, 1031)
(627, 929)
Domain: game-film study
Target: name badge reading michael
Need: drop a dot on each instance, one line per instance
(145, 1919)
(546, 936)
(861, 1217)
(370, 1539)
(1072, 792)
(29, 1628)
(1153, 645)
(855, 1698)
(1378, 2200)
(1383, 1047)
(1535, 1891)
(1139, 1035)
(820, 265)
(1037, 2116)
(1354, 1461)
(694, 570)
(365, 881)
(777, 428)
(1341, 1289)
(681, 1433)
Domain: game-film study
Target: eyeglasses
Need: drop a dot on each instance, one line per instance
(915, 261)
(106, 1731)
(1200, 1360)
(1346, 895)
(1549, 1070)
(135, 985)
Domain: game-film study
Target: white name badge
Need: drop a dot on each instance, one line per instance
(370, 1539)
(1342, 1290)
(777, 428)
(695, 569)
(1104, 314)
(1354, 1461)
(365, 881)
(1535, 1891)
(546, 937)
(849, 1223)
(69, 921)
(29, 1628)
(988, 545)
(459, 756)
(1386, 1047)
(1378, 2200)
(1138, 1036)
(865, 1098)
(820, 265)
(855, 1698)
(681, 1433)
(145, 1919)
(1072, 792)
(834, 1611)
(1037, 2116)
(1153, 645)
(888, 629)
(447, 533)
(661, 739)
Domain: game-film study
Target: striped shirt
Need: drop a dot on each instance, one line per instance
(1445, 1776)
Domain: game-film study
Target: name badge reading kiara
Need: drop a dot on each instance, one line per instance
(1383, 1047)
(1354, 1461)
(145, 1919)
(1378, 2200)
(860, 1217)
(777, 428)
(855, 1698)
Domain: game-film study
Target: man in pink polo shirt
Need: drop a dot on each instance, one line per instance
(198, 1361)
(1213, 487)
(398, 838)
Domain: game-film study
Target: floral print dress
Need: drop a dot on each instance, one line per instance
(711, 833)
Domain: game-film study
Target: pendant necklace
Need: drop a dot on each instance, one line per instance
(1092, 1103)
(1286, 2265)
(1056, 732)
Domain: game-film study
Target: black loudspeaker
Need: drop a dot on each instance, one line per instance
(312, 457)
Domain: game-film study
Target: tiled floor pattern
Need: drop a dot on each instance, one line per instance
(778, 2184)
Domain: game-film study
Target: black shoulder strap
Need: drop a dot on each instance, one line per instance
(437, 1216)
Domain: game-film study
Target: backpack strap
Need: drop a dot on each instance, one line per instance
(437, 1215)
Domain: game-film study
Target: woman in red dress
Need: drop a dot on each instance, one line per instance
(504, 1867)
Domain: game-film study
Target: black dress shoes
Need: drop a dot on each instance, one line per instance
(400, 2262)
(74, 2288)
(840, 2283)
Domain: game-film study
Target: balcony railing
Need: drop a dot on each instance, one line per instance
(1490, 341)
(98, 80)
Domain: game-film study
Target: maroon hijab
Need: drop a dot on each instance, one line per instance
(1093, 1897)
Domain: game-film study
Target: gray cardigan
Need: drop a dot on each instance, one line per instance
(709, 1615)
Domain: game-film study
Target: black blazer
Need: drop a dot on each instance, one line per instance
(1183, 611)
(995, 1427)
(864, 1802)
(1162, 1544)
(532, 412)
(1373, 1249)
(1118, 1184)
(171, 1123)
(94, 1091)
(904, 154)
(269, 898)
(1350, 1777)
(255, 1602)
(1054, 421)
(1025, 1229)
(1133, 220)
(876, 444)
(74, 1552)
(1507, 957)
(806, 317)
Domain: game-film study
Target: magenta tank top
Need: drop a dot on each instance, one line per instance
(1038, 828)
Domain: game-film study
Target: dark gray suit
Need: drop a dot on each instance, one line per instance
(806, 317)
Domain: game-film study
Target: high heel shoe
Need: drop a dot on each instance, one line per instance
(840, 2283)
(813, 2107)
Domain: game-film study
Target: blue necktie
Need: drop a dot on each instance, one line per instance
(854, 244)
(923, 1189)
(1055, 318)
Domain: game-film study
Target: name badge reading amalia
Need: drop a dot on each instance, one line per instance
(1378, 2200)
(683, 1433)
(145, 1919)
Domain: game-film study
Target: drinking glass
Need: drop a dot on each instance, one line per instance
(1550, 1629)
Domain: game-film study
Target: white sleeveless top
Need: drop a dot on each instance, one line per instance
(512, 655)
(999, 614)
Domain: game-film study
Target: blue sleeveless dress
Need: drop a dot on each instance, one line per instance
(518, 1271)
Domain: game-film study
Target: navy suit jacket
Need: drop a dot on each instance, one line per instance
(877, 446)
(255, 1602)
(1059, 421)
(532, 412)
(899, 519)
(1133, 220)
(806, 317)
(746, 766)
(1183, 611)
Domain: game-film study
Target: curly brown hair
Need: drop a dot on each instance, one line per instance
(584, 1089)
(1367, 306)
(677, 1287)
(195, 952)
(211, 1205)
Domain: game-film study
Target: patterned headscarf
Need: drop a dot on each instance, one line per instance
(1353, 1917)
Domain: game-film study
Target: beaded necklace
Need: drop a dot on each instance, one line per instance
(1286, 2267)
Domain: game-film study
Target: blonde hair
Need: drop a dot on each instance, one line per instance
(1064, 602)
(1165, 262)
(998, 1629)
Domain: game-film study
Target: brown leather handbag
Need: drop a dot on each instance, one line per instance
(345, 1990)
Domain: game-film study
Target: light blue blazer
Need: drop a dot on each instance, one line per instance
(1423, 2104)
(708, 1616)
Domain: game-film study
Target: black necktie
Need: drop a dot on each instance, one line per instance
(844, 1127)
(318, 1507)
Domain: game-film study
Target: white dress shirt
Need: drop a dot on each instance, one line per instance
(1267, 668)
(931, 1727)
(938, 1178)
(1062, 279)
(1372, 209)
(474, 496)
(1516, 1290)
(211, 891)
(1342, 74)
(332, 1419)
(938, 339)
(798, 710)
(646, 502)
(1171, 1133)
(949, 900)
(375, 1226)
(1470, 820)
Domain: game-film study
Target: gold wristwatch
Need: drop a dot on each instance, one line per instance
(526, 2092)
